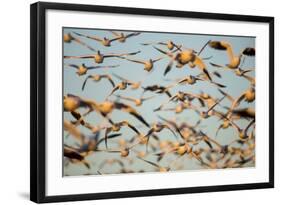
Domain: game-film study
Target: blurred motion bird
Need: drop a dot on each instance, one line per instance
(148, 64)
(170, 44)
(99, 57)
(97, 78)
(68, 38)
(83, 69)
(121, 37)
(137, 101)
(104, 41)
(234, 60)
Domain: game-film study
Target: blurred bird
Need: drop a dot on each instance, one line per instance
(116, 127)
(99, 57)
(137, 101)
(234, 60)
(157, 89)
(83, 69)
(68, 38)
(160, 168)
(170, 44)
(121, 37)
(97, 78)
(133, 84)
(148, 65)
(104, 41)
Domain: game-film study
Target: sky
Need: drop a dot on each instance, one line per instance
(99, 90)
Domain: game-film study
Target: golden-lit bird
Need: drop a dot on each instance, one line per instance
(191, 79)
(68, 38)
(107, 107)
(209, 113)
(97, 78)
(104, 41)
(234, 60)
(249, 96)
(122, 37)
(148, 64)
(189, 57)
(170, 44)
(179, 96)
(120, 86)
(98, 57)
(138, 101)
(185, 57)
(72, 102)
(156, 128)
(83, 69)
(239, 72)
(116, 127)
(133, 84)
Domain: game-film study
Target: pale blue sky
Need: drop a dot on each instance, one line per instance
(98, 91)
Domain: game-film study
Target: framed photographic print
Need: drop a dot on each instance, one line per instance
(129, 102)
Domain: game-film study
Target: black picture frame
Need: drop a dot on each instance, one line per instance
(38, 101)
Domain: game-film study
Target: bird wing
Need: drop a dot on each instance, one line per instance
(72, 153)
(114, 89)
(133, 128)
(132, 34)
(114, 39)
(203, 47)
(109, 79)
(200, 64)
(215, 104)
(78, 57)
(90, 37)
(130, 110)
(72, 65)
(84, 44)
(85, 81)
(169, 67)
(149, 162)
(249, 51)
(71, 129)
(96, 67)
(157, 59)
(136, 61)
(120, 55)
(107, 130)
(217, 45)
(164, 52)
(226, 95)
(115, 33)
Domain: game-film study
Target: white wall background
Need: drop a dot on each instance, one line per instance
(14, 100)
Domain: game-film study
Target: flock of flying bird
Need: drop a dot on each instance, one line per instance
(189, 140)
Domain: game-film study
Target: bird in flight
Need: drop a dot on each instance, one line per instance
(121, 37)
(68, 38)
(104, 41)
(234, 60)
(97, 78)
(138, 101)
(148, 64)
(116, 127)
(170, 44)
(83, 69)
(98, 57)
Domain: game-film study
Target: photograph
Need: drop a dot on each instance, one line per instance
(147, 101)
